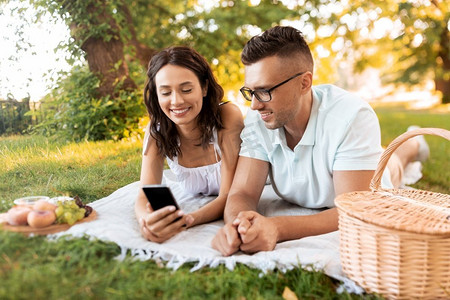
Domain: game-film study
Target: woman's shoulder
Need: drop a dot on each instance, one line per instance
(232, 121)
(231, 115)
(150, 147)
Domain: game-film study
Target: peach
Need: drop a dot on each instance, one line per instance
(44, 205)
(41, 218)
(18, 215)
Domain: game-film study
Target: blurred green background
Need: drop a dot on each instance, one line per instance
(382, 50)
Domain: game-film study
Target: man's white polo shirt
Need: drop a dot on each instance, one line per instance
(343, 133)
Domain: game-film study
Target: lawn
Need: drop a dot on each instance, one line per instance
(436, 171)
(34, 268)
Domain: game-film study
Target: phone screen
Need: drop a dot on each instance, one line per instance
(159, 196)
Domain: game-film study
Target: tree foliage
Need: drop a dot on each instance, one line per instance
(417, 44)
(408, 40)
(118, 37)
(78, 113)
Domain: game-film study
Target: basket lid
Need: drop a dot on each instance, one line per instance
(406, 210)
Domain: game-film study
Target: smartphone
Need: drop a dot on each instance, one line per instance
(159, 196)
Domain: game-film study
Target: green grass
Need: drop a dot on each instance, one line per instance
(35, 268)
(79, 269)
(32, 165)
(436, 171)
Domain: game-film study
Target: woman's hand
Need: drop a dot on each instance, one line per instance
(160, 225)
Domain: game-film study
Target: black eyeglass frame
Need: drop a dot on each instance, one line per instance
(244, 89)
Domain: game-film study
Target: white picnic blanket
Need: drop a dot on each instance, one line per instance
(116, 222)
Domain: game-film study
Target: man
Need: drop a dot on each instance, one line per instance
(314, 142)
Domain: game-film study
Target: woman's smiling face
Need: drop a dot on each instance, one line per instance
(180, 94)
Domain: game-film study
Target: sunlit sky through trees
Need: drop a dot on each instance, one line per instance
(29, 63)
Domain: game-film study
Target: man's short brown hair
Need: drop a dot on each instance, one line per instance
(281, 41)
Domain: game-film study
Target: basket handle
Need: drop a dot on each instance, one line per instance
(376, 180)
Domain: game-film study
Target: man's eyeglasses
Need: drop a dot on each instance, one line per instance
(264, 95)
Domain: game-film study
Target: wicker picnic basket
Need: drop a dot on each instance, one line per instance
(397, 242)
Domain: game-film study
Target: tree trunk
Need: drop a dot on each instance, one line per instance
(443, 86)
(105, 55)
(106, 59)
(442, 81)
(143, 53)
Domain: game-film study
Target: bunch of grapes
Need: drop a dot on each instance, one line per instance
(87, 208)
(69, 212)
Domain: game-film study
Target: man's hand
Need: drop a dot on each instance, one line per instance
(227, 240)
(257, 232)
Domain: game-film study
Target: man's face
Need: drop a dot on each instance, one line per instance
(284, 106)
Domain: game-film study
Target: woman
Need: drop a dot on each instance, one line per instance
(197, 134)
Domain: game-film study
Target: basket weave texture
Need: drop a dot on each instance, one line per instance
(397, 242)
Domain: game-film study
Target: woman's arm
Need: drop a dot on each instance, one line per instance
(151, 172)
(159, 225)
(229, 143)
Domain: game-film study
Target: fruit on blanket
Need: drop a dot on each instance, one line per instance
(44, 205)
(82, 205)
(69, 212)
(41, 218)
(18, 215)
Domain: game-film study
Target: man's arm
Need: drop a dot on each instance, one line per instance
(246, 189)
(259, 233)
(248, 184)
